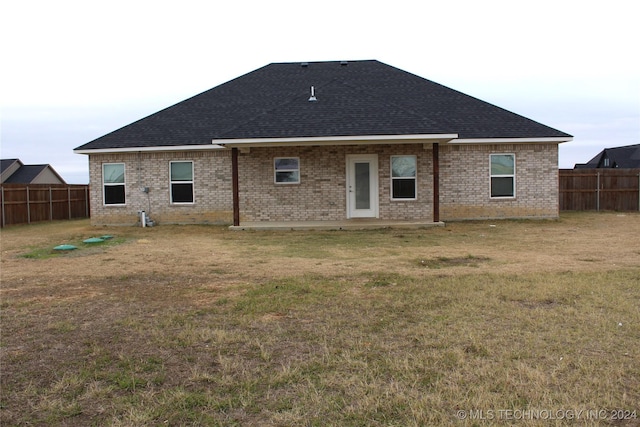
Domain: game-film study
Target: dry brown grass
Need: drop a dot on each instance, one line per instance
(197, 325)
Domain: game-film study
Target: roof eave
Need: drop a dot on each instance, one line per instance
(336, 140)
(218, 144)
(158, 148)
(529, 140)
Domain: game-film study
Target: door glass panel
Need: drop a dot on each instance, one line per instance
(362, 187)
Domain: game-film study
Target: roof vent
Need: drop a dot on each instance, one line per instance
(304, 64)
(313, 98)
(344, 63)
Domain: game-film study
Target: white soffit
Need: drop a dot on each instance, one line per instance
(221, 144)
(545, 140)
(336, 140)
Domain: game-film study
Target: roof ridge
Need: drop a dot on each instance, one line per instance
(622, 146)
(336, 61)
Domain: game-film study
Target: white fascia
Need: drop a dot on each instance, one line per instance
(162, 148)
(545, 140)
(336, 140)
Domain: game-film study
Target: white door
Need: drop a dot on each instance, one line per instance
(362, 186)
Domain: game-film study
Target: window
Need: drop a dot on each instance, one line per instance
(286, 170)
(503, 175)
(181, 182)
(403, 177)
(113, 183)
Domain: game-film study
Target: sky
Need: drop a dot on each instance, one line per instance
(72, 71)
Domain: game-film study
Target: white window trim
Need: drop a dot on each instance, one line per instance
(275, 179)
(415, 178)
(124, 184)
(503, 176)
(192, 182)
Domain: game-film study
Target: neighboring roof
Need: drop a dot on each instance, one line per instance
(627, 156)
(28, 174)
(8, 167)
(6, 163)
(356, 98)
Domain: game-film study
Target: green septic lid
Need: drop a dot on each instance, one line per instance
(65, 248)
(93, 240)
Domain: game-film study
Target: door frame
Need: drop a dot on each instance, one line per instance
(374, 210)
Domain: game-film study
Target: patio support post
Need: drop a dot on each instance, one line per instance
(235, 185)
(436, 182)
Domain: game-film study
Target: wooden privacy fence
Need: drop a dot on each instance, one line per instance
(25, 204)
(580, 189)
(599, 189)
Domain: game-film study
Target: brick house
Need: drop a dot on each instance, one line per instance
(326, 141)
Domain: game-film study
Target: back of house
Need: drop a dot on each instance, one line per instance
(345, 141)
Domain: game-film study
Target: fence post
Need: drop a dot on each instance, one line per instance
(28, 207)
(50, 204)
(4, 221)
(86, 201)
(598, 191)
(69, 200)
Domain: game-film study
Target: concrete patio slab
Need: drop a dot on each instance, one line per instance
(347, 224)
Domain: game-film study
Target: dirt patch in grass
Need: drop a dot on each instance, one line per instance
(197, 325)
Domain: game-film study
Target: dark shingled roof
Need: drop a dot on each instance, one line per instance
(354, 98)
(5, 163)
(26, 174)
(618, 157)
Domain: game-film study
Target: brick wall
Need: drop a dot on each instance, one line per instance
(465, 182)
(212, 188)
(321, 194)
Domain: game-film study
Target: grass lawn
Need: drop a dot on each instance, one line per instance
(476, 323)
